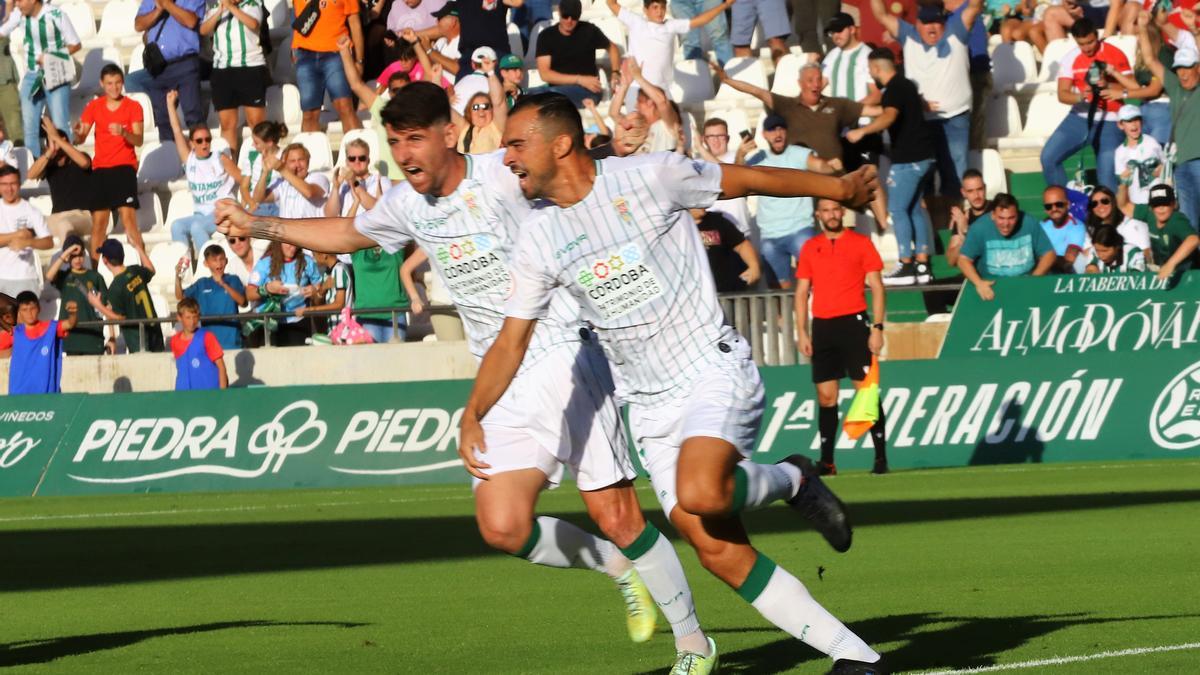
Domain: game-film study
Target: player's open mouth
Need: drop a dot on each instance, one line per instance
(413, 170)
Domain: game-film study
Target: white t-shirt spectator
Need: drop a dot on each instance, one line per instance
(448, 48)
(1142, 161)
(417, 18)
(653, 45)
(292, 204)
(372, 186)
(207, 181)
(20, 265)
(234, 45)
(1135, 232)
(942, 71)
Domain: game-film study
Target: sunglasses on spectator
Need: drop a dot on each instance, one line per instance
(202, 139)
(1055, 205)
(1101, 201)
(481, 106)
(356, 158)
(234, 240)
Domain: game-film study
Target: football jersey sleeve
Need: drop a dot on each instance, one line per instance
(689, 183)
(387, 223)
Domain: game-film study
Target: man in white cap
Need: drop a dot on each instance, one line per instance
(483, 61)
(1179, 84)
(1138, 161)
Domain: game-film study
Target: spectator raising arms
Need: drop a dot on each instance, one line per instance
(68, 171)
(284, 280)
(129, 297)
(318, 65)
(199, 359)
(355, 188)
(36, 365)
(22, 229)
(75, 283)
(651, 40)
(172, 26)
(566, 55)
(485, 116)
(49, 39)
(374, 101)
(217, 295)
(210, 176)
(265, 136)
(118, 123)
(661, 118)
(240, 77)
(298, 193)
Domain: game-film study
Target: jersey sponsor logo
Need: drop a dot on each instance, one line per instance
(474, 266)
(619, 283)
(1175, 417)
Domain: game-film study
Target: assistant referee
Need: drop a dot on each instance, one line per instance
(833, 267)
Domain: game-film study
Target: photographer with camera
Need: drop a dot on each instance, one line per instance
(1082, 77)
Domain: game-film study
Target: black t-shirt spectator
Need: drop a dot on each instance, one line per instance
(573, 54)
(912, 137)
(720, 237)
(70, 187)
(484, 24)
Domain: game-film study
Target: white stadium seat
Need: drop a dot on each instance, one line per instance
(531, 53)
(89, 70)
(280, 21)
(82, 19)
(1055, 51)
(135, 58)
(614, 30)
(514, 40)
(787, 75)
(158, 165)
(180, 206)
(1045, 114)
(745, 69)
(693, 82)
(1127, 44)
(116, 24)
(989, 164)
(1013, 63)
(1003, 116)
(166, 257)
(318, 146)
(283, 104)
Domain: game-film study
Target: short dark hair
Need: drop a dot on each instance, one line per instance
(28, 298)
(647, 3)
(555, 111)
(1108, 236)
(1055, 187)
(212, 251)
(270, 131)
(714, 121)
(1082, 28)
(111, 69)
(417, 106)
(9, 170)
(882, 54)
(398, 76)
(1004, 200)
(972, 173)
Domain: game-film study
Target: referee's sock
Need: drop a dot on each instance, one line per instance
(784, 601)
(557, 543)
(756, 485)
(657, 564)
(827, 425)
(879, 436)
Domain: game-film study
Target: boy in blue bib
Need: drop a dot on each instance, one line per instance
(199, 359)
(37, 347)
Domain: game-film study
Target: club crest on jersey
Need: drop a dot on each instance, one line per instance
(472, 203)
(623, 210)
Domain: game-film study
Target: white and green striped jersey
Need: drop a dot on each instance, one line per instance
(50, 31)
(631, 255)
(847, 72)
(340, 273)
(470, 236)
(234, 45)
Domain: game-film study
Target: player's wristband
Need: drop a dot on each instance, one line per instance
(878, 326)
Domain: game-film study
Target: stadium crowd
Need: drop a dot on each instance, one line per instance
(185, 103)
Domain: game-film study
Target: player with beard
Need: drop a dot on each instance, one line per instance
(618, 236)
(464, 212)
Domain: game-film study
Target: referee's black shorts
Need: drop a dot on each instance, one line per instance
(840, 347)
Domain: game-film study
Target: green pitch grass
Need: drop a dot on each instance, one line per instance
(950, 569)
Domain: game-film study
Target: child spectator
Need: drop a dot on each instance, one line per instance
(36, 366)
(129, 297)
(355, 188)
(284, 280)
(731, 256)
(1173, 241)
(210, 176)
(22, 229)
(1111, 254)
(1139, 161)
(265, 136)
(652, 38)
(118, 122)
(300, 194)
(75, 283)
(220, 294)
(8, 318)
(199, 359)
(334, 290)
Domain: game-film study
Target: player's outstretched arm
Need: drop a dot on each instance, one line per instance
(496, 371)
(854, 190)
(331, 235)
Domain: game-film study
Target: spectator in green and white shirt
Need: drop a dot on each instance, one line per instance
(239, 77)
(266, 137)
(48, 34)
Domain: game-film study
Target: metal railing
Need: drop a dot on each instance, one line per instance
(209, 319)
(768, 321)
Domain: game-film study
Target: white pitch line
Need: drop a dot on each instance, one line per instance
(226, 509)
(1063, 660)
(1023, 468)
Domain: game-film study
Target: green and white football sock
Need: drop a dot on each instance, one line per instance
(756, 485)
(557, 543)
(785, 602)
(656, 562)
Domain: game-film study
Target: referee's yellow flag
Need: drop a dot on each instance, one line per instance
(864, 409)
